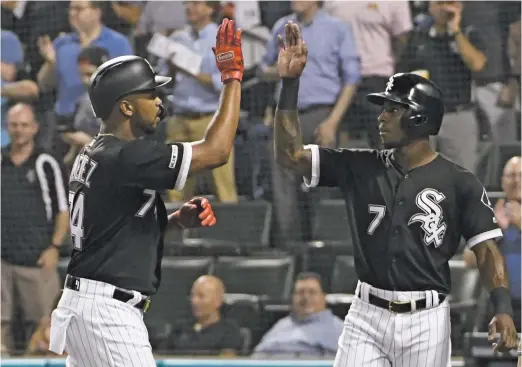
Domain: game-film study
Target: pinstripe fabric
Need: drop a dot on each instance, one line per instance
(375, 337)
(97, 330)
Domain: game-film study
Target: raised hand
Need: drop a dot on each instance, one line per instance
(229, 56)
(46, 48)
(292, 52)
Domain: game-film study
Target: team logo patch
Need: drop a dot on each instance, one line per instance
(173, 156)
(432, 218)
(225, 56)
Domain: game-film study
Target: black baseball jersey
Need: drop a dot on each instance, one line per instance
(408, 225)
(117, 218)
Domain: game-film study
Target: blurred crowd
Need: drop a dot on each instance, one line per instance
(50, 49)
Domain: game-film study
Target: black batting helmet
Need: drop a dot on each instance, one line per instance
(118, 78)
(421, 96)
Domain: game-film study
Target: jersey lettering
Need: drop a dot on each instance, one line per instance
(379, 211)
(432, 220)
(76, 219)
(82, 170)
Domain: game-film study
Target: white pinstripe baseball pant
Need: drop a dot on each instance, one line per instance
(98, 331)
(375, 337)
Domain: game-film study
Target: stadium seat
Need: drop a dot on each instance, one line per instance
(331, 223)
(245, 310)
(319, 256)
(344, 278)
(171, 303)
(245, 224)
(267, 277)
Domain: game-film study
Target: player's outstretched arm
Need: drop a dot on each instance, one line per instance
(493, 274)
(215, 148)
(288, 143)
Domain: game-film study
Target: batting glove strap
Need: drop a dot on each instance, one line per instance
(231, 75)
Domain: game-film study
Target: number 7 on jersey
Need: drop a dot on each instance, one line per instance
(379, 211)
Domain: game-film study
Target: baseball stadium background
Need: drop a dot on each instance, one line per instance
(248, 249)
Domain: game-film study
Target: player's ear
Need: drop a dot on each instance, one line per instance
(126, 108)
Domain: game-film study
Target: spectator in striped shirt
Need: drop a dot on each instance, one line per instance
(35, 222)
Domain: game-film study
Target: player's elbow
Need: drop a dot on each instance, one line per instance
(221, 155)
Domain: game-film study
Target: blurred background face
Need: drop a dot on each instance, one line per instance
(86, 70)
(83, 16)
(390, 129)
(300, 7)
(438, 13)
(206, 298)
(511, 179)
(308, 297)
(198, 12)
(21, 125)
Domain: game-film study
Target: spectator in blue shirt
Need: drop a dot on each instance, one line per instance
(331, 78)
(310, 330)
(11, 57)
(60, 69)
(195, 98)
(328, 85)
(507, 213)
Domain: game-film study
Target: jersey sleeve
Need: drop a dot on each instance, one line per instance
(331, 166)
(477, 217)
(155, 166)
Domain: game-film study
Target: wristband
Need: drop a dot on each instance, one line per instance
(58, 247)
(288, 95)
(501, 300)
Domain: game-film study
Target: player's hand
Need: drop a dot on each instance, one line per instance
(513, 212)
(196, 213)
(46, 48)
(48, 260)
(293, 52)
(229, 56)
(503, 324)
(500, 214)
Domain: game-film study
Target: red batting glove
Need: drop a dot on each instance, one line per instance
(208, 219)
(229, 56)
(197, 212)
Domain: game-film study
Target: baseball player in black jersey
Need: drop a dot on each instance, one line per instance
(409, 208)
(118, 219)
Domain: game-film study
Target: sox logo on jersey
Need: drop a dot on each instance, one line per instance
(432, 219)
